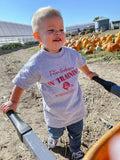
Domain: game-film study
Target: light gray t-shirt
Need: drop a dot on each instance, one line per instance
(56, 75)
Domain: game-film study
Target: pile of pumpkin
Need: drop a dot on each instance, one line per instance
(92, 42)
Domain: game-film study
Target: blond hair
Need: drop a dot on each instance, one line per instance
(41, 14)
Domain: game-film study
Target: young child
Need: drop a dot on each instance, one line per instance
(55, 70)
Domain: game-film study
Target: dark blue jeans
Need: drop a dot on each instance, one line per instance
(74, 133)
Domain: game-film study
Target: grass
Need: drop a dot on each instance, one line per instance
(103, 56)
(115, 31)
(35, 49)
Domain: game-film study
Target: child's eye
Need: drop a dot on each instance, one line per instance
(61, 30)
(51, 30)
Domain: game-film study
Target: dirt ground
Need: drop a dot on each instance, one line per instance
(101, 106)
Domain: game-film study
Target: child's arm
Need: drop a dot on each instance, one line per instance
(88, 73)
(13, 101)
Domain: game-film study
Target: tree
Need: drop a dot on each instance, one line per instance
(96, 18)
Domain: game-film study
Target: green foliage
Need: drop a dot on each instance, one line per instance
(31, 43)
(82, 33)
(116, 27)
(96, 18)
(67, 34)
(17, 45)
(11, 45)
(88, 31)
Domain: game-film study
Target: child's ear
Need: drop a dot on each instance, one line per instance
(36, 36)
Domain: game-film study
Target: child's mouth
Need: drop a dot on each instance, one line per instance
(57, 40)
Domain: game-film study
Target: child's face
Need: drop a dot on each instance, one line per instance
(52, 34)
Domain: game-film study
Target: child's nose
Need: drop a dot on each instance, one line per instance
(57, 32)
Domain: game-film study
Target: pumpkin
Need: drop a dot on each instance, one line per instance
(40, 46)
(119, 34)
(99, 44)
(103, 38)
(109, 38)
(97, 39)
(113, 47)
(91, 48)
(85, 42)
(106, 35)
(74, 47)
(117, 40)
(88, 45)
(66, 44)
(88, 51)
(104, 46)
(78, 45)
(73, 42)
(83, 38)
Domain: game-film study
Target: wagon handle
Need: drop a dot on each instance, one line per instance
(108, 85)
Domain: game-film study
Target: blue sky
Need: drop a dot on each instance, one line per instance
(73, 11)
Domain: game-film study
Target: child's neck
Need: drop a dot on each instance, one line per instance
(56, 52)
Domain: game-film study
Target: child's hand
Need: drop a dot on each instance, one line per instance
(10, 105)
(88, 73)
(92, 74)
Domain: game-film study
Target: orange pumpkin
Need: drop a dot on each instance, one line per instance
(119, 34)
(92, 48)
(85, 42)
(88, 45)
(88, 51)
(40, 46)
(104, 46)
(102, 38)
(106, 35)
(113, 47)
(109, 38)
(99, 44)
(66, 44)
(74, 47)
(73, 42)
(78, 45)
(117, 40)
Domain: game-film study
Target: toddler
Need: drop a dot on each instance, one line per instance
(55, 71)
